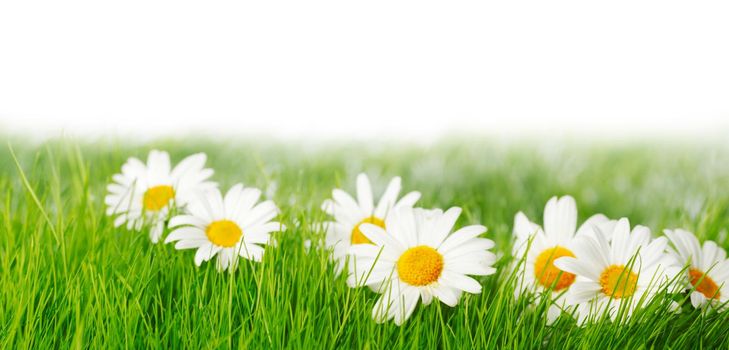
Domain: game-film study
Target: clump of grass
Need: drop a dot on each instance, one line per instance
(70, 279)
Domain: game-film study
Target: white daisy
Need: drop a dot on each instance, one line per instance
(616, 274)
(417, 257)
(227, 227)
(708, 268)
(144, 194)
(349, 214)
(540, 247)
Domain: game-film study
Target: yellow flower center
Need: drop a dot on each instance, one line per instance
(157, 197)
(704, 284)
(617, 281)
(358, 237)
(548, 275)
(224, 233)
(420, 266)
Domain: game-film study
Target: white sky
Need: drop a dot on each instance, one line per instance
(410, 69)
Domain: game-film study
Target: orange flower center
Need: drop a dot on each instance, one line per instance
(617, 281)
(704, 284)
(358, 237)
(548, 275)
(420, 266)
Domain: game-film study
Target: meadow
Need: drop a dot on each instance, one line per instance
(69, 279)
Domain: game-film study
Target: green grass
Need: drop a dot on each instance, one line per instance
(69, 279)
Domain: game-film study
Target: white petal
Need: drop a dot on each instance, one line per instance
(232, 198)
(257, 237)
(251, 251)
(187, 220)
(190, 243)
(553, 313)
(384, 304)
(158, 163)
(474, 245)
(217, 207)
(120, 220)
(364, 194)
(186, 233)
(368, 273)
(523, 228)
(445, 294)
(401, 224)
(156, 231)
(697, 299)
(478, 268)
(410, 297)
(271, 226)
(205, 253)
(710, 256)
(366, 251)
(408, 200)
(378, 236)
(459, 281)
(443, 226)
(582, 291)
(261, 213)
(347, 203)
(691, 244)
(192, 163)
(249, 198)
(720, 272)
(223, 260)
(592, 249)
(462, 236)
(389, 197)
(560, 219)
(654, 252)
(426, 295)
(595, 220)
(577, 267)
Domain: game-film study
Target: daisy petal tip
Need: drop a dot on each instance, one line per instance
(415, 194)
(456, 211)
(482, 228)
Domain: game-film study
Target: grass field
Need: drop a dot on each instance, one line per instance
(69, 279)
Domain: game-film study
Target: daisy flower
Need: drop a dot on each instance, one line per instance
(540, 247)
(708, 268)
(416, 257)
(349, 214)
(618, 273)
(144, 194)
(228, 227)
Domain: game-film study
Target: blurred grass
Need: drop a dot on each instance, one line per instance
(73, 281)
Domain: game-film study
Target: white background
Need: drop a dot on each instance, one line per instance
(364, 69)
